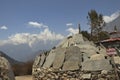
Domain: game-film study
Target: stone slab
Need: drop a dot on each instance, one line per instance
(70, 65)
(117, 59)
(59, 58)
(96, 65)
(78, 38)
(49, 59)
(97, 57)
(73, 58)
(72, 53)
(42, 60)
(85, 57)
(37, 60)
(86, 76)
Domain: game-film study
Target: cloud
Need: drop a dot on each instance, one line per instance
(3, 28)
(37, 25)
(69, 24)
(30, 39)
(112, 17)
(22, 45)
(72, 31)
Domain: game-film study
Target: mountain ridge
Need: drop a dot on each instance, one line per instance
(109, 27)
(11, 60)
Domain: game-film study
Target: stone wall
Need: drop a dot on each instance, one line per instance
(70, 64)
(52, 74)
(6, 72)
(74, 59)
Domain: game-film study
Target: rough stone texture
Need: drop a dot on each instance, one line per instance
(117, 59)
(73, 53)
(72, 40)
(49, 60)
(37, 61)
(59, 58)
(85, 57)
(75, 58)
(6, 72)
(71, 65)
(96, 65)
(97, 57)
(86, 76)
(51, 74)
(77, 38)
(42, 60)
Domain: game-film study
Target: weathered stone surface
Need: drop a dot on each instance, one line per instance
(96, 65)
(73, 58)
(97, 57)
(71, 65)
(117, 59)
(72, 41)
(102, 50)
(104, 72)
(59, 58)
(49, 59)
(6, 72)
(89, 52)
(42, 60)
(73, 53)
(78, 38)
(37, 61)
(86, 76)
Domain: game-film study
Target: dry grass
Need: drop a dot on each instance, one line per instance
(23, 69)
(27, 77)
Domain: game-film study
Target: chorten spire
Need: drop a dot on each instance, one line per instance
(79, 28)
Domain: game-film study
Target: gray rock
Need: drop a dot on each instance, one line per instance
(78, 38)
(97, 57)
(37, 61)
(96, 65)
(49, 59)
(71, 65)
(73, 53)
(86, 76)
(85, 57)
(104, 72)
(42, 60)
(117, 59)
(59, 58)
(73, 58)
(71, 41)
(5, 70)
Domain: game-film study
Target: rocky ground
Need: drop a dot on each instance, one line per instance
(26, 77)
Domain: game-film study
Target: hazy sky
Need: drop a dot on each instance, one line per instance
(15, 14)
(36, 22)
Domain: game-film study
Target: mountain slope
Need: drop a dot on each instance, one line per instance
(110, 26)
(11, 60)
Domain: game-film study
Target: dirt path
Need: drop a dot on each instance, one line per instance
(27, 77)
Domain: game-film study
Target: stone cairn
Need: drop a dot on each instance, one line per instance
(75, 58)
(6, 72)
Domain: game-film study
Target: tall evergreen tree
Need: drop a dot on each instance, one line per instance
(96, 22)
